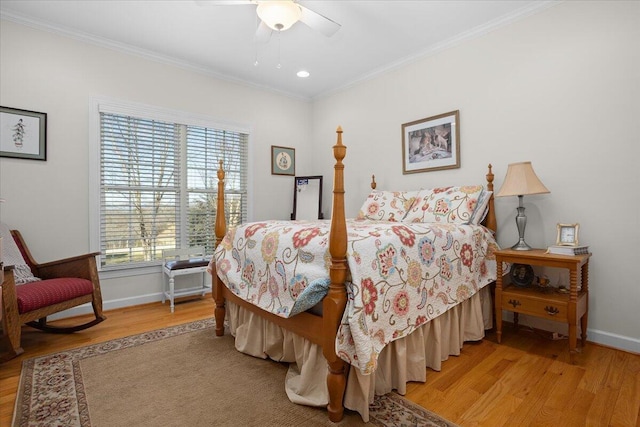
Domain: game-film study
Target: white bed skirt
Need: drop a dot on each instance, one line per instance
(401, 361)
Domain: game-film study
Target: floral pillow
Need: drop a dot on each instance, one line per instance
(387, 205)
(446, 205)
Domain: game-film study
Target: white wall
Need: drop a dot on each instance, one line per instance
(48, 201)
(560, 88)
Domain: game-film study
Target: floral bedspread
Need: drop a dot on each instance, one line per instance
(402, 274)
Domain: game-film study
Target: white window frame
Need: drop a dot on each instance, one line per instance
(113, 106)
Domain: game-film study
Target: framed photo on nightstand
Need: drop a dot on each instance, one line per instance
(567, 235)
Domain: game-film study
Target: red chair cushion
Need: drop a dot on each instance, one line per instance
(35, 295)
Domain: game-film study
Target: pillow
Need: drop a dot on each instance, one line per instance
(416, 210)
(482, 207)
(387, 205)
(454, 205)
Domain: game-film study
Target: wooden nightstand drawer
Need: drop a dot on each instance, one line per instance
(535, 303)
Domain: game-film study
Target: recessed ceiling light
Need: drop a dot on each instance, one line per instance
(302, 73)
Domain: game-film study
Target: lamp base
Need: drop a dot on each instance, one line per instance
(521, 246)
(521, 222)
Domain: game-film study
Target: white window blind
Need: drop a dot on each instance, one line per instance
(158, 186)
(205, 148)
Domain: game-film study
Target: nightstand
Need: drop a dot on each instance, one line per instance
(546, 303)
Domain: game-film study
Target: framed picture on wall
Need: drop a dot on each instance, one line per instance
(431, 144)
(23, 134)
(283, 160)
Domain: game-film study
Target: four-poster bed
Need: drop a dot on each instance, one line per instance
(312, 337)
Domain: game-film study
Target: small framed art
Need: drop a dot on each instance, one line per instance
(567, 235)
(431, 144)
(283, 160)
(23, 134)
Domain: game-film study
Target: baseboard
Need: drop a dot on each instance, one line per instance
(109, 305)
(607, 339)
(632, 345)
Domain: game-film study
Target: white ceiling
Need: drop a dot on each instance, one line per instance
(219, 40)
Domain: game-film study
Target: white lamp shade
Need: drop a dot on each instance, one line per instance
(279, 15)
(521, 180)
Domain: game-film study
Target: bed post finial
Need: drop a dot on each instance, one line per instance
(221, 226)
(490, 179)
(220, 231)
(373, 182)
(339, 150)
(490, 220)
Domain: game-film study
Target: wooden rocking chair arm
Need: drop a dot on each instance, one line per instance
(83, 266)
(70, 260)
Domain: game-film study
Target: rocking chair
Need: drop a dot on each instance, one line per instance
(64, 284)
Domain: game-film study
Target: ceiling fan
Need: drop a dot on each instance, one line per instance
(280, 15)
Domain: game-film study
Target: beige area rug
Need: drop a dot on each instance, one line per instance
(179, 376)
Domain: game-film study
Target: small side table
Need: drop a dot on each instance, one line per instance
(568, 307)
(182, 262)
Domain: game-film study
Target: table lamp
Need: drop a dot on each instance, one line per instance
(521, 180)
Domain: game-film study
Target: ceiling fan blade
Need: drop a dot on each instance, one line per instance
(318, 22)
(263, 33)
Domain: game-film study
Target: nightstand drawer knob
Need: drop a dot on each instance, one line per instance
(514, 302)
(551, 311)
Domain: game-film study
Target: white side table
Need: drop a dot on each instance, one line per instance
(180, 262)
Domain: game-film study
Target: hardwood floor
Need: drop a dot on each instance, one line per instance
(525, 381)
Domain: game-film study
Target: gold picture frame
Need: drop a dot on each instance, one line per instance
(567, 234)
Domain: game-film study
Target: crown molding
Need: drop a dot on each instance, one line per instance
(474, 33)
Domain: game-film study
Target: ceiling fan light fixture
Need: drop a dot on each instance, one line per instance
(279, 15)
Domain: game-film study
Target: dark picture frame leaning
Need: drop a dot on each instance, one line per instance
(23, 134)
(431, 144)
(283, 160)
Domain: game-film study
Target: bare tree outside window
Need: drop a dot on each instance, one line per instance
(153, 197)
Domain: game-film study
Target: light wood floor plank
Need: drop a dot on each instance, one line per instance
(627, 406)
(576, 409)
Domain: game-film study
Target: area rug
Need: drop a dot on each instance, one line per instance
(179, 376)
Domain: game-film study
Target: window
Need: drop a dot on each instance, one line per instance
(158, 185)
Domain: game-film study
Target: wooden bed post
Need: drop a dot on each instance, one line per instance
(220, 230)
(335, 301)
(490, 220)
